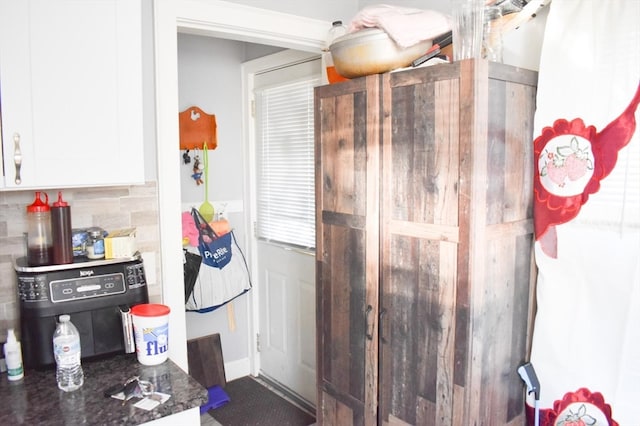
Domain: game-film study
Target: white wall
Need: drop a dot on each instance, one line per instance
(328, 10)
(443, 6)
(209, 77)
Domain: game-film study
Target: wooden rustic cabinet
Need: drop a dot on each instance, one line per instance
(425, 272)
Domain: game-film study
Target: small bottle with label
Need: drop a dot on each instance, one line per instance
(13, 357)
(95, 243)
(330, 74)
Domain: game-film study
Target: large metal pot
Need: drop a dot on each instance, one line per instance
(372, 51)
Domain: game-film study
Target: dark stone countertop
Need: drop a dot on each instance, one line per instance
(36, 398)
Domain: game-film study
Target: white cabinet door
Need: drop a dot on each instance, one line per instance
(71, 92)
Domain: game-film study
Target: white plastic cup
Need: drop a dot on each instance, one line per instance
(468, 23)
(151, 332)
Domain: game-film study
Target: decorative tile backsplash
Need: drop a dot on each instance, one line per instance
(109, 208)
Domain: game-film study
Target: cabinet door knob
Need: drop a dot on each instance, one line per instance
(17, 157)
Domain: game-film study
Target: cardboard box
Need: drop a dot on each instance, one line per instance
(120, 243)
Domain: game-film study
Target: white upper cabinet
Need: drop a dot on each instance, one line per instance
(71, 93)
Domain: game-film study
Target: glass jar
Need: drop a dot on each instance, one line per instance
(492, 34)
(95, 243)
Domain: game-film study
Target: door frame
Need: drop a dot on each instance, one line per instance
(214, 19)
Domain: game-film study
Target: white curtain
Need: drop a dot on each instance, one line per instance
(587, 327)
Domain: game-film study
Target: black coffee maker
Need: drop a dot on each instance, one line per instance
(96, 294)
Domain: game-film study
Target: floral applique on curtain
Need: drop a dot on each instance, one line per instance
(579, 408)
(566, 165)
(572, 159)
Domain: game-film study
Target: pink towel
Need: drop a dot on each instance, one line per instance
(406, 26)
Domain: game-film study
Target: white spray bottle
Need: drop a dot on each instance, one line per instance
(13, 357)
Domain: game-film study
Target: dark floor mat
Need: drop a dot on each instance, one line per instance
(252, 404)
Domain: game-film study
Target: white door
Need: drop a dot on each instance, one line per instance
(285, 226)
(287, 319)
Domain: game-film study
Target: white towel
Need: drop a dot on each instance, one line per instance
(406, 26)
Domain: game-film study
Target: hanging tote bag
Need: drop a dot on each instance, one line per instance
(223, 274)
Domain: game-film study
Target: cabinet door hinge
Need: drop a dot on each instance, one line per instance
(253, 108)
(258, 342)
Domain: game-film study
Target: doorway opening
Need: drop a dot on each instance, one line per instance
(210, 19)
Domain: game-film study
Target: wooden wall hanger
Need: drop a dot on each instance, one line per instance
(197, 127)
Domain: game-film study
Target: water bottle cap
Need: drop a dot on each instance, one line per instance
(38, 205)
(60, 202)
(64, 318)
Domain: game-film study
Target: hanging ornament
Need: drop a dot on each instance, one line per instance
(197, 171)
(185, 157)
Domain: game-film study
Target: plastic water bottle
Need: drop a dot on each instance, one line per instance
(66, 349)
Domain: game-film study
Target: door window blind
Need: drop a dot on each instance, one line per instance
(286, 189)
